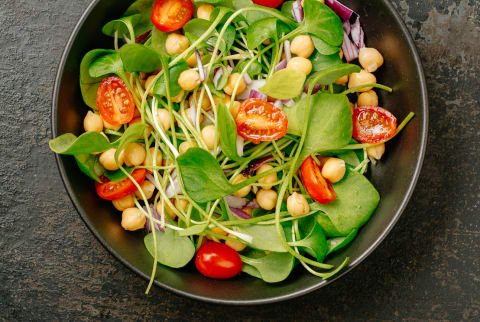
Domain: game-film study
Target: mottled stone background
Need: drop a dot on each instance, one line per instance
(52, 268)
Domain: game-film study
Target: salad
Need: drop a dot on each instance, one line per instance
(235, 134)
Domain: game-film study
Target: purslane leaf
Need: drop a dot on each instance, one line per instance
(322, 22)
(284, 84)
(172, 250)
(139, 58)
(88, 142)
(228, 132)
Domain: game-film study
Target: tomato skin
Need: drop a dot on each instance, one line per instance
(109, 190)
(217, 260)
(317, 186)
(373, 124)
(171, 15)
(260, 121)
(115, 102)
(268, 3)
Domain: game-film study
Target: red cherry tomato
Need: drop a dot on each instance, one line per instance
(115, 101)
(373, 124)
(171, 15)
(317, 186)
(115, 190)
(268, 3)
(217, 260)
(258, 121)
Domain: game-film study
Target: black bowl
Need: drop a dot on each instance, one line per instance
(395, 176)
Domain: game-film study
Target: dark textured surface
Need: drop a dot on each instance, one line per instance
(51, 266)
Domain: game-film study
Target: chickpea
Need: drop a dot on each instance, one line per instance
(176, 44)
(297, 205)
(301, 64)
(184, 146)
(245, 190)
(107, 159)
(341, 54)
(362, 78)
(169, 211)
(192, 60)
(148, 188)
(267, 199)
(93, 122)
(134, 154)
(148, 82)
(376, 151)
(205, 104)
(270, 179)
(267, 42)
(216, 230)
(178, 98)
(163, 118)
(123, 203)
(204, 11)
(181, 204)
(302, 46)
(189, 79)
(225, 100)
(133, 219)
(149, 159)
(189, 113)
(209, 136)
(369, 98)
(236, 245)
(342, 80)
(232, 80)
(248, 211)
(334, 170)
(370, 59)
(234, 109)
(109, 126)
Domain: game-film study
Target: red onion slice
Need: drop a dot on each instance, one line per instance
(281, 65)
(237, 202)
(286, 48)
(341, 10)
(201, 71)
(297, 11)
(288, 103)
(255, 85)
(252, 167)
(150, 178)
(350, 51)
(140, 39)
(240, 213)
(217, 75)
(247, 78)
(174, 189)
(278, 103)
(155, 215)
(256, 94)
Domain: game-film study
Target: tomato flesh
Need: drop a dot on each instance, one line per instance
(373, 124)
(115, 190)
(268, 3)
(259, 121)
(171, 15)
(217, 260)
(115, 102)
(317, 186)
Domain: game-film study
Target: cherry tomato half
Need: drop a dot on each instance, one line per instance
(171, 15)
(115, 190)
(217, 260)
(317, 186)
(373, 124)
(258, 121)
(268, 3)
(115, 101)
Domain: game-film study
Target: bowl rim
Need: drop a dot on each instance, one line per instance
(273, 299)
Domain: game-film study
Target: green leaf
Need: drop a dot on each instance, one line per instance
(202, 176)
(326, 224)
(228, 133)
(337, 243)
(267, 28)
(197, 26)
(106, 64)
(253, 16)
(118, 175)
(314, 243)
(323, 48)
(284, 84)
(356, 201)
(321, 62)
(89, 85)
(322, 22)
(88, 142)
(331, 74)
(144, 8)
(174, 73)
(159, 39)
(350, 158)
(272, 268)
(265, 237)
(172, 250)
(122, 25)
(329, 126)
(286, 8)
(254, 69)
(131, 134)
(139, 58)
(222, 81)
(87, 164)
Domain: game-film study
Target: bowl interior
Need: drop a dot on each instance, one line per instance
(394, 176)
